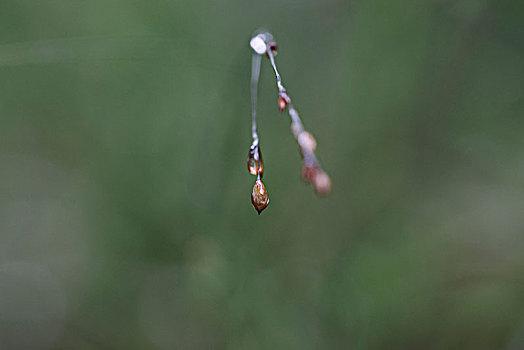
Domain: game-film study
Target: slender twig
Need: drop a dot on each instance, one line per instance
(255, 74)
(312, 172)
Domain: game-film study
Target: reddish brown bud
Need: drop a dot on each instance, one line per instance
(321, 183)
(281, 104)
(255, 167)
(259, 196)
(273, 47)
(283, 101)
(308, 172)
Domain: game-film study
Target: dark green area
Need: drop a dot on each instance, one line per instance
(125, 214)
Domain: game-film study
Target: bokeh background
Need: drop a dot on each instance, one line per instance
(125, 214)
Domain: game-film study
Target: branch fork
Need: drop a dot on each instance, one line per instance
(263, 44)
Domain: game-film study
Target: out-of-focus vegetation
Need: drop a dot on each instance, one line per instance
(125, 214)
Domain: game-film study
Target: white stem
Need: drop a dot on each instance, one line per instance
(255, 74)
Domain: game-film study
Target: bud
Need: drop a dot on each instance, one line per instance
(321, 183)
(273, 47)
(255, 167)
(281, 104)
(259, 197)
(308, 172)
(283, 101)
(307, 142)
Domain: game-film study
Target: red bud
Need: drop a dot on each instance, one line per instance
(255, 167)
(273, 47)
(283, 101)
(308, 172)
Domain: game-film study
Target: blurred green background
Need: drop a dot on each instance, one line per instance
(125, 214)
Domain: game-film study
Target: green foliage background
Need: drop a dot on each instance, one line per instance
(125, 218)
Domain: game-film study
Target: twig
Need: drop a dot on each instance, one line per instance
(312, 172)
(255, 165)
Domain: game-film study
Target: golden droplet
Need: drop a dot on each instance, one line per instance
(259, 196)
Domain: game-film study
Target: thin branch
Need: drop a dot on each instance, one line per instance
(312, 172)
(255, 74)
